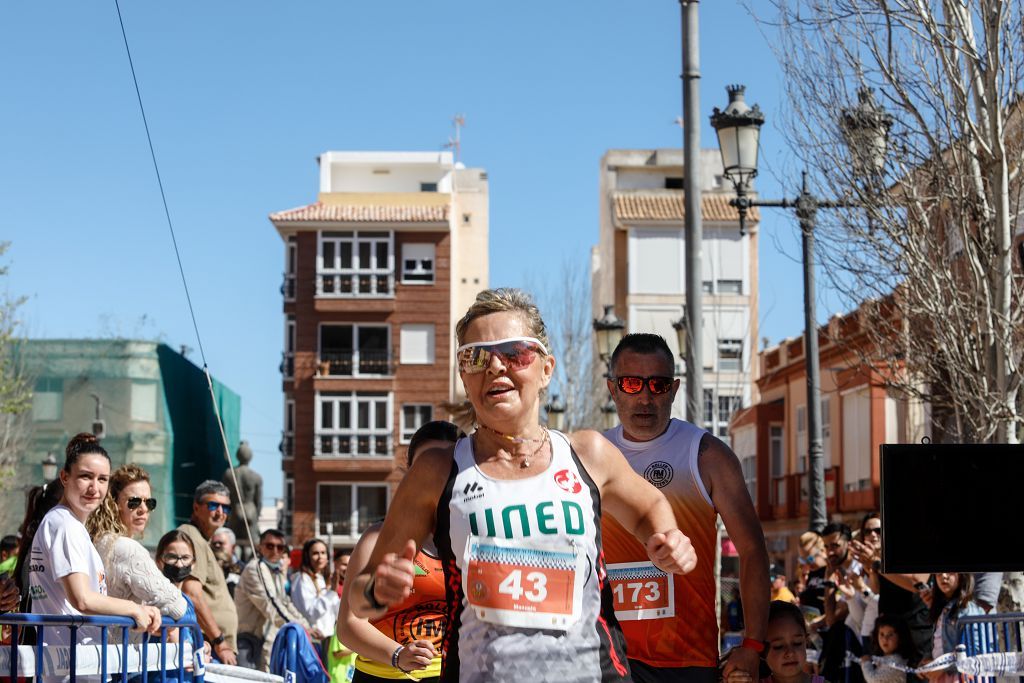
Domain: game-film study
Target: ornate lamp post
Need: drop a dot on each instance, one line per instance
(49, 468)
(738, 128)
(609, 330)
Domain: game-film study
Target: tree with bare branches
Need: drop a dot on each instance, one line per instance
(929, 237)
(15, 387)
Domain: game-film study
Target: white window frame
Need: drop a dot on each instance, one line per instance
(288, 357)
(406, 431)
(376, 434)
(730, 346)
(353, 275)
(417, 271)
(288, 509)
(354, 521)
(776, 439)
(748, 464)
(288, 433)
(722, 420)
(291, 266)
(356, 372)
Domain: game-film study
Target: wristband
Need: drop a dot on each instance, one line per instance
(217, 641)
(394, 657)
(757, 646)
(370, 597)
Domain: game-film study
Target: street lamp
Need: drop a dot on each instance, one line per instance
(738, 127)
(556, 413)
(609, 415)
(609, 330)
(49, 468)
(682, 328)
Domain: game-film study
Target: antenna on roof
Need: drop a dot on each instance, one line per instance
(455, 142)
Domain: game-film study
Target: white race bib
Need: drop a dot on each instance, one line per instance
(641, 591)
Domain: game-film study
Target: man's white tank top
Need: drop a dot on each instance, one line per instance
(527, 588)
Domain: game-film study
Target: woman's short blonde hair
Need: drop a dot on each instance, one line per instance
(106, 519)
(505, 300)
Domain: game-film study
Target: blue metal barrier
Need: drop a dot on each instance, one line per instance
(990, 633)
(41, 622)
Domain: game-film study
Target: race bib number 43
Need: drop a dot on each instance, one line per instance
(523, 584)
(641, 591)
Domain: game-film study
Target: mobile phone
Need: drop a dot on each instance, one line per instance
(921, 586)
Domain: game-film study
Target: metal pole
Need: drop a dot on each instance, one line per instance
(692, 213)
(806, 208)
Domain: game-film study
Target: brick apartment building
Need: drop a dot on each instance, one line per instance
(377, 272)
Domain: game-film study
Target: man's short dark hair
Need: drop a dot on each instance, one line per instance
(8, 543)
(276, 533)
(837, 528)
(642, 342)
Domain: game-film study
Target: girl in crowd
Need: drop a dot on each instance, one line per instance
(114, 526)
(41, 499)
(310, 593)
(786, 653)
(67, 575)
(515, 515)
(174, 557)
(952, 598)
(891, 644)
(404, 642)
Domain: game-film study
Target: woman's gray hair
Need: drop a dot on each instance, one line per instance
(226, 533)
(208, 487)
(505, 300)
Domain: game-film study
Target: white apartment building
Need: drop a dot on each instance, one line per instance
(639, 262)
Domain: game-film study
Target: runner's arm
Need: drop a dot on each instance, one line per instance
(410, 518)
(358, 634)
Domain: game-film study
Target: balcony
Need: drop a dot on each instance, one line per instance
(287, 445)
(355, 284)
(287, 366)
(803, 488)
(353, 444)
(355, 363)
(288, 287)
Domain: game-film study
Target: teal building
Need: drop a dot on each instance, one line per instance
(152, 405)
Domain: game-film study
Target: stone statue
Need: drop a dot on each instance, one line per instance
(250, 485)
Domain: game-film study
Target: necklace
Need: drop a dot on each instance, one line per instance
(524, 463)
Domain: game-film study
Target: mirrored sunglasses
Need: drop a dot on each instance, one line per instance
(515, 353)
(134, 502)
(213, 505)
(634, 385)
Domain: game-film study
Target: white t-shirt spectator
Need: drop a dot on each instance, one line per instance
(61, 547)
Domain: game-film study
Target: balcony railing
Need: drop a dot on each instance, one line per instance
(350, 444)
(287, 366)
(347, 362)
(288, 287)
(356, 283)
(287, 445)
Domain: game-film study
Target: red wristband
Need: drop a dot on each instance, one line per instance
(757, 646)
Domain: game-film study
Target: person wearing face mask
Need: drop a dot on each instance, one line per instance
(122, 517)
(263, 604)
(174, 557)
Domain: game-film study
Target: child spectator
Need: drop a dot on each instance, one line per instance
(891, 644)
(786, 653)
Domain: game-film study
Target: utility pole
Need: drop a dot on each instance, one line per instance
(694, 230)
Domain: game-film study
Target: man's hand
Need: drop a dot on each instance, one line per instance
(392, 580)
(741, 664)
(672, 552)
(416, 655)
(9, 595)
(225, 654)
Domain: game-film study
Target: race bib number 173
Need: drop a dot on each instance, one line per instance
(641, 591)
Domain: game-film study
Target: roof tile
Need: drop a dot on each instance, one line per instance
(372, 213)
(668, 206)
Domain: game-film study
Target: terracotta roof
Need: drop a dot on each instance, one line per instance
(668, 206)
(372, 213)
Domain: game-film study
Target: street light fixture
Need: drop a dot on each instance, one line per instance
(49, 468)
(682, 328)
(609, 415)
(556, 413)
(609, 330)
(865, 128)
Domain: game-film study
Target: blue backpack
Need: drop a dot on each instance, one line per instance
(294, 652)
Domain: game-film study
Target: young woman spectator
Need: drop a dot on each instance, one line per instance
(891, 645)
(41, 499)
(66, 575)
(951, 598)
(114, 526)
(174, 557)
(310, 593)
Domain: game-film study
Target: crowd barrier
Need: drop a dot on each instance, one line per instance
(101, 657)
(994, 634)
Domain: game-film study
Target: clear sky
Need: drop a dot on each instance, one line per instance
(242, 97)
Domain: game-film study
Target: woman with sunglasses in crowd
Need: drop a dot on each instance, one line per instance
(66, 574)
(115, 526)
(405, 641)
(515, 515)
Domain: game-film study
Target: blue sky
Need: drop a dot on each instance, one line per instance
(241, 98)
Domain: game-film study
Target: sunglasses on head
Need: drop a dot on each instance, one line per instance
(634, 385)
(515, 353)
(213, 505)
(135, 501)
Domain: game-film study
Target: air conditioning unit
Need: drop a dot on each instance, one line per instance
(99, 429)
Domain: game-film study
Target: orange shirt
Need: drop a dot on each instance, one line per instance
(422, 615)
(688, 636)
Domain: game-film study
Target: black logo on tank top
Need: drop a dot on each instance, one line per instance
(659, 473)
(472, 491)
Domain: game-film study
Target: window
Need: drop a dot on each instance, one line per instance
(143, 406)
(291, 256)
(415, 416)
(776, 451)
(709, 408)
(707, 286)
(730, 286)
(48, 400)
(288, 507)
(727, 405)
(287, 446)
(355, 264)
(353, 425)
(803, 436)
(801, 439)
(730, 355)
(350, 508)
(428, 187)
(749, 465)
(673, 183)
(656, 264)
(416, 344)
(857, 440)
(418, 263)
(354, 350)
(288, 357)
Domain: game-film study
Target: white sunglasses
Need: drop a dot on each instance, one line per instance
(515, 353)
